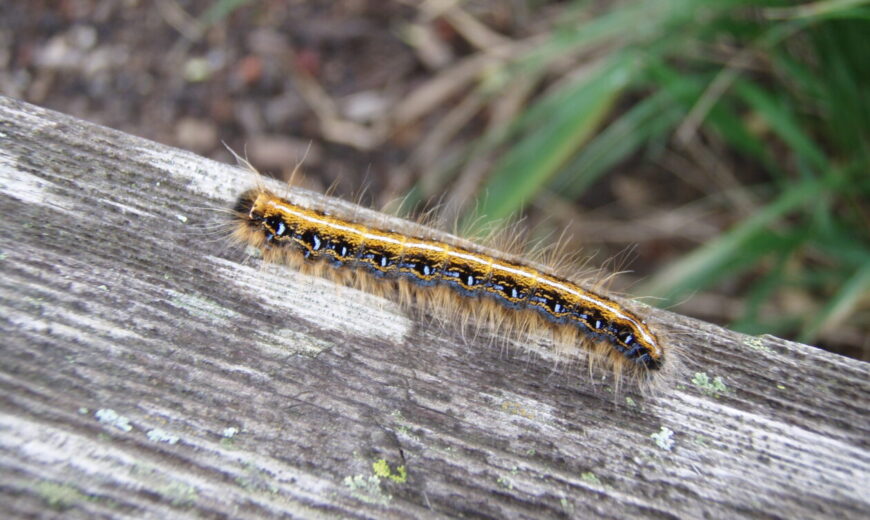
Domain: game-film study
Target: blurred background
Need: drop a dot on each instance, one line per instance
(716, 149)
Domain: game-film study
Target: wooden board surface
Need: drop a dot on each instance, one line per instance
(151, 369)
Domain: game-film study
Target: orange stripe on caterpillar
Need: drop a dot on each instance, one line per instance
(268, 221)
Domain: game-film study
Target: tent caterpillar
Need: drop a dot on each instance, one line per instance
(429, 268)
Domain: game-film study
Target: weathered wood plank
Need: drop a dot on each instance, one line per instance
(149, 369)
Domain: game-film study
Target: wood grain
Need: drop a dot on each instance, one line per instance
(151, 369)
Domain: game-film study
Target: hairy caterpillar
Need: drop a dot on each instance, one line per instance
(428, 267)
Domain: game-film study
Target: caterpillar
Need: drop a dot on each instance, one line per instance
(431, 265)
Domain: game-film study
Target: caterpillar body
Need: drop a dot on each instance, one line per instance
(295, 234)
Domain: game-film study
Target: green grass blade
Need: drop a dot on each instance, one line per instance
(853, 291)
(543, 149)
(650, 119)
(780, 115)
(698, 269)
